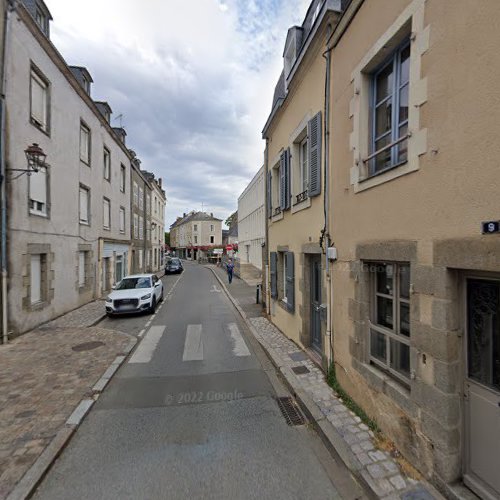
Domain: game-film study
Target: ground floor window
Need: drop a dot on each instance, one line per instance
(390, 319)
(37, 270)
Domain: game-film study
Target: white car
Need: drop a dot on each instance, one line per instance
(135, 293)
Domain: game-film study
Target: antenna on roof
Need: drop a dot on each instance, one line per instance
(119, 117)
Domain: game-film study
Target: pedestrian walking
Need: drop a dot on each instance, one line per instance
(230, 269)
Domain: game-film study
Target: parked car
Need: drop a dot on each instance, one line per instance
(174, 265)
(136, 293)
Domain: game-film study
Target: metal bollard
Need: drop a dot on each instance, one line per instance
(257, 293)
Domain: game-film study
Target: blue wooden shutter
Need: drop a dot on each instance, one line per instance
(274, 275)
(290, 281)
(314, 139)
(269, 195)
(282, 171)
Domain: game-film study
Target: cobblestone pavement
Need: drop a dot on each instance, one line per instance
(377, 467)
(43, 378)
(87, 315)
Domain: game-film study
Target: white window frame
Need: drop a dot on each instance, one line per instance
(141, 227)
(136, 194)
(107, 164)
(123, 176)
(41, 122)
(81, 269)
(136, 226)
(122, 220)
(86, 190)
(36, 295)
(38, 201)
(106, 213)
(303, 165)
(141, 198)
(85, 143)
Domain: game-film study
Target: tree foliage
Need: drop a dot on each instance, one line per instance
(232, 219)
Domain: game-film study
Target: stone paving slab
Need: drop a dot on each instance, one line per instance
(42, 380)
(378, 468)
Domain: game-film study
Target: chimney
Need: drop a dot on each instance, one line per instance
(211, 214)
(185, 214)
(159, 182)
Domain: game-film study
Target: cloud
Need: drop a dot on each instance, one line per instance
(193, 82)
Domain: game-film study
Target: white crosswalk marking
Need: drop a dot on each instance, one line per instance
(193, 346)
(144, 352)
(239, 347)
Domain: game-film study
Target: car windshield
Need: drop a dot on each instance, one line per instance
(130, 283)
(174, 261)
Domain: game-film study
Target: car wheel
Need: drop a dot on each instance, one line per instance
(152, 309)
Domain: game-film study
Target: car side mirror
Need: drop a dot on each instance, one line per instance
(113, 287)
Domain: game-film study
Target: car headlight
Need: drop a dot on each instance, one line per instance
(146, 297)
(109, 299)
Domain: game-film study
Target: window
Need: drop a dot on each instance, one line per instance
(389, 120)
(107, 164)
(122, 220)
(141, 198)
(136, 194)
(282, 272)
(212, 239)
(84, 143)
(123, 174)
(136, 226)
(42, 21)
(106, 213)
(196, 227)
(148, 204)
(38, 192)
(211, 228)
(81, 269)
(84, 205)
(36, 262)
(196, 239)
(39, 100)
(141, 228)
(390, 323)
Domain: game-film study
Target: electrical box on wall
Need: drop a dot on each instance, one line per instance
(332, 253)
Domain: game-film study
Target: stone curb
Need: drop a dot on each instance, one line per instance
(325, 429)
(25, 488)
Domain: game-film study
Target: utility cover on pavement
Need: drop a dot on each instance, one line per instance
(300, 370)
(87, 346)
(298, 356)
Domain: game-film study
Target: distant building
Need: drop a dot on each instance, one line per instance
(251, 227)
(195, 235)
(157, 233)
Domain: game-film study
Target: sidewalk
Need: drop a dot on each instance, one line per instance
(339, 427)
(45, 374)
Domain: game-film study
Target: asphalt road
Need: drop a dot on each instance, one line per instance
(193, 414)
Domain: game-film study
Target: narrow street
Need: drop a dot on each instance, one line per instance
(193, 414)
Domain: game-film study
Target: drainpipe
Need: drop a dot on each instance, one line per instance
(266, 218)
(10, 5)
(326, 234)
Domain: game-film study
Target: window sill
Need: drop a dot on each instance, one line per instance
(83, 223)
(106, 229)
(276, 218)
(39, 214)
(385, 175)
(39, 127)
(38, 306)
(301, 205)
(86, 163)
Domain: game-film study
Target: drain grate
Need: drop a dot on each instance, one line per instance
(300, 370)
(290, 411)
(87, 346)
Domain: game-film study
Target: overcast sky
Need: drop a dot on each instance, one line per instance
(193, 81)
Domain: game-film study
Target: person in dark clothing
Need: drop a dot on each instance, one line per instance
(230, 269)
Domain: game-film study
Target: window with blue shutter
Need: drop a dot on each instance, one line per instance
(282, 176)
(314, 135)
(290, 281)
(274, 274)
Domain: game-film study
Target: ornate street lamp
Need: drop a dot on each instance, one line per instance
(35, 158)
